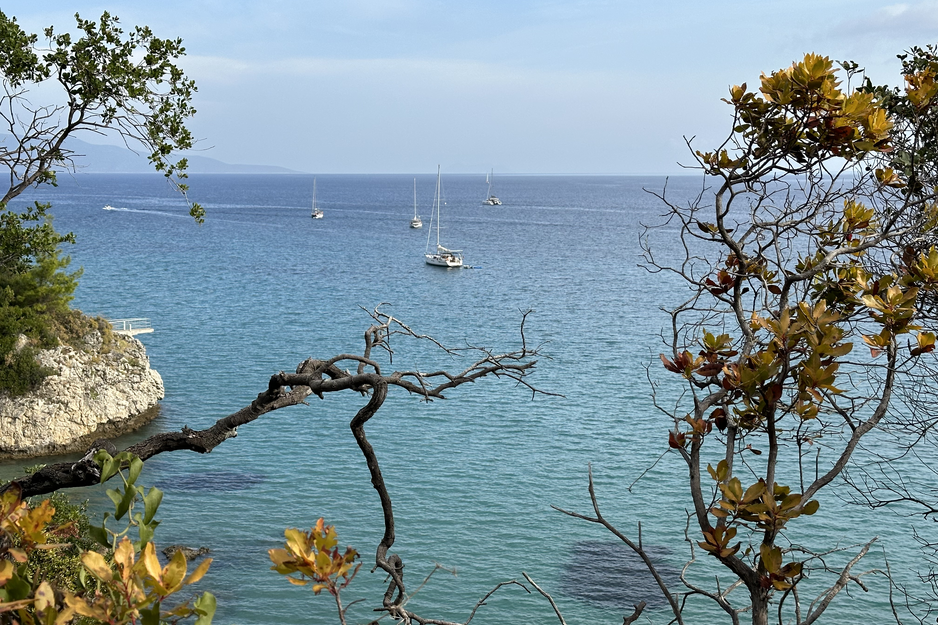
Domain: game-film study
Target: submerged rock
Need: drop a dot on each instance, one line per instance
(190, 553)
(104, 389)
(610, 575)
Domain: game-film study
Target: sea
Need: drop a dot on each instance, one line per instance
(474, 478)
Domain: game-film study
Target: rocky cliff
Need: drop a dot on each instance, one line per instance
(102, 389)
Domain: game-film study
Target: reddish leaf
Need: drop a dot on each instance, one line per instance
(676, 440)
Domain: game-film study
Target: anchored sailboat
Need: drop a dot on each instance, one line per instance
(415, 222)
(443, 257)
(492, 199)
(317, 213)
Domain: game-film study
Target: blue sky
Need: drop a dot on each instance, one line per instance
(397, 86)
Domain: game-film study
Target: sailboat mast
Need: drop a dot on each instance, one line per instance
(415, 198)
(438, 208)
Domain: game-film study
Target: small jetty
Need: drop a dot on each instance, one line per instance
(130, 327)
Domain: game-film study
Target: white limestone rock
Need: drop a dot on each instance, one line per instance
(105, 389)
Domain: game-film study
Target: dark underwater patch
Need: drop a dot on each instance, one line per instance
(610, 575)
(211, 481)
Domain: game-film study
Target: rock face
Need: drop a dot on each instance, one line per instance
(105, 389)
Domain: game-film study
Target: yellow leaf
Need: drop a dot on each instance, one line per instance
(6, 571)
(97, 566)
(151, 563)
(199, 572)
(754, 492)
(181, 611)
(174, 572)
(296, 541)
(44, 596)
(124, 556)
(18, 555)
(65, 616)
(279, 556)
(84, 609)
(771, 558)
(323, 563)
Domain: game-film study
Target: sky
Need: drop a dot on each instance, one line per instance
(518, 86)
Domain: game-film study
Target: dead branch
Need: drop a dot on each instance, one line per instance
(546, 596)
(639, 551)
(312, 377)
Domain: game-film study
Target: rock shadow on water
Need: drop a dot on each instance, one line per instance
(610, 575)
(211, 481)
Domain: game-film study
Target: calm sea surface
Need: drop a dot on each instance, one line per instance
(261, 286)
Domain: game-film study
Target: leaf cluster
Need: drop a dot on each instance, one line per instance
(799, 116)
(316, 557)
(122, 583)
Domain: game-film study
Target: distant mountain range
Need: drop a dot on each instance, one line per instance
(92, 158)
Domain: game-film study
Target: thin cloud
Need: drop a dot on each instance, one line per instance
(232, 71)
(904, 22)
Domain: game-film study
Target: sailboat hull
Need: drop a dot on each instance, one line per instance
(443, 260)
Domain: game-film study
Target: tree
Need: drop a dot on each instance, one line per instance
(808, 258)
(110, 82)
(107, 82)
(312, 377)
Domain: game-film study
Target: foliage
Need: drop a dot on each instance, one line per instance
(124, 584)
(68, 528)
(109, 82)
(800, 259)
(35, 290)
(316, 557)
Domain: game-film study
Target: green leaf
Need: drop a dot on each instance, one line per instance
(17, 588)
(151, 503)
(205, 607)
(115, 495)
(135, 466)
(100, 535)
(109, 465)
(146, 533)
(129, 495)
(151, 615)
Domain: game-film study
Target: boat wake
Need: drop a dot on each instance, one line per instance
(124, 209)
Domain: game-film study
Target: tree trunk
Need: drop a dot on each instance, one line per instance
(760, 606)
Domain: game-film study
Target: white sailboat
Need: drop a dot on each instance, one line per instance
(492, 200)
(317, 213)
(415, 222)
(442, 257)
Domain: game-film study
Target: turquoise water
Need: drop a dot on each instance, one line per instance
(260, 287)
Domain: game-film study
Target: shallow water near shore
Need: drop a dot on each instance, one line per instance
(260, 287)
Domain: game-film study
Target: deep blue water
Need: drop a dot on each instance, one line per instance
(260, 287)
